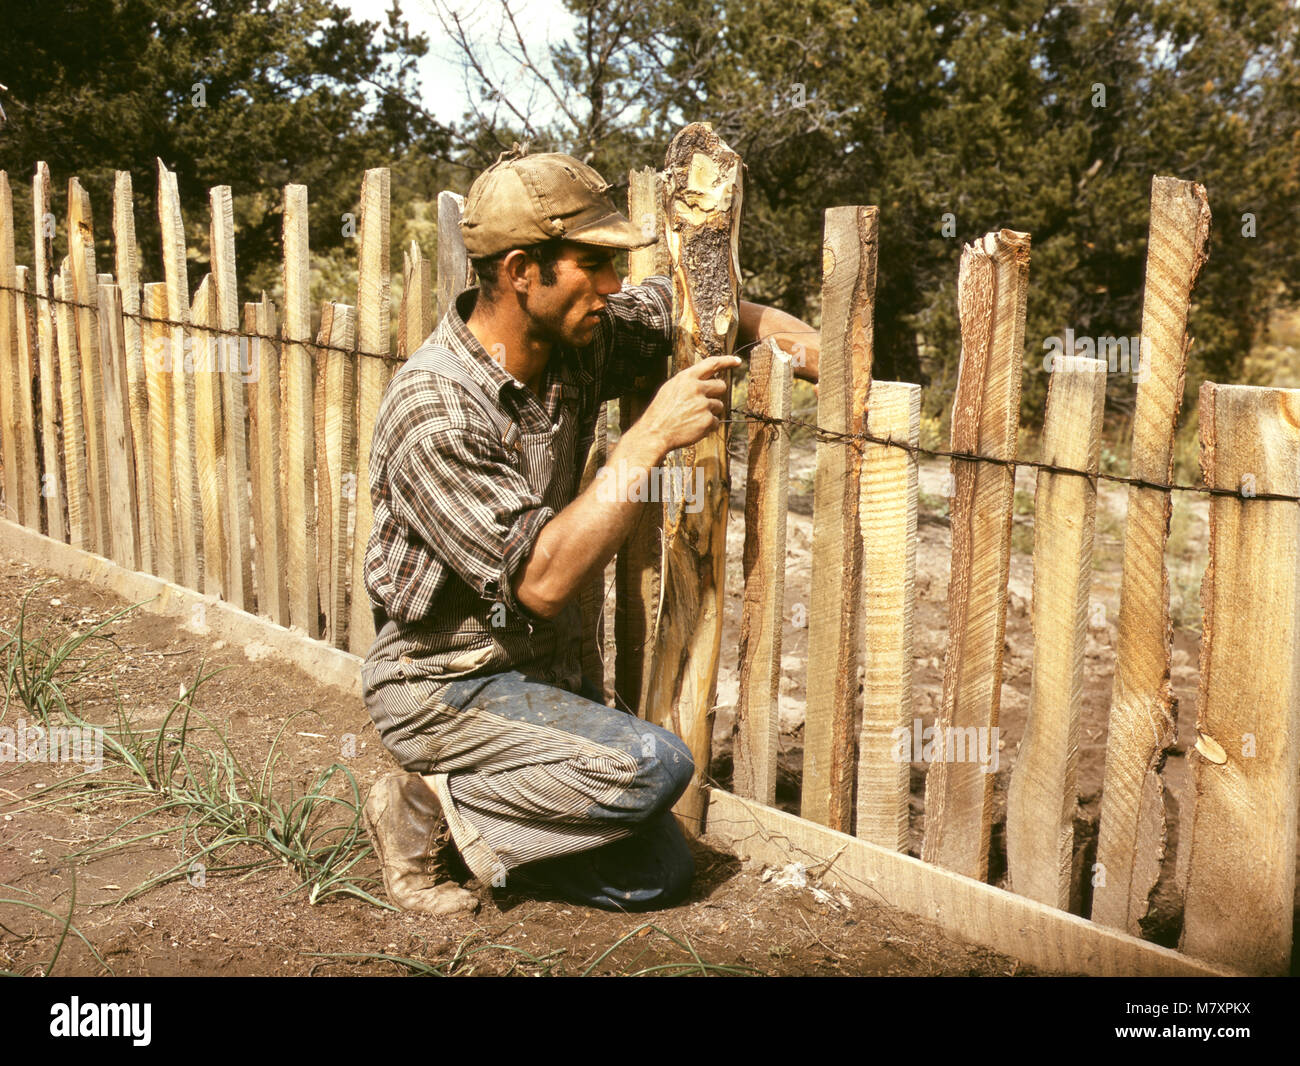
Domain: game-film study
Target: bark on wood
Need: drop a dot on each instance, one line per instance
(1241, 864)
(835, 611)
(1043, 794)
(754, 736)
(1143, 715)
(702, 193)
(373, 374)
(991, 293)
(887, 512)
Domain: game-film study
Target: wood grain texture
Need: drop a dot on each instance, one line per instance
(1240, 893)
(849, 252)
(298, 469)
(21, 484)
(702, 196)
(127, 260)
(25, 338)
(1043, 794)
(636, 570)
(80, 533)
(264, 445)
(189, 512)
(887, 513)
(591, 599)
(969, 910)
(416, 317)
(122, 506)
(373, 374)
(82, 277)
(335, 460)
(762, 612)
(208, 442)
(991, 293)
(159, 380)
(1132, 835)
(234, 406)
(51, 474)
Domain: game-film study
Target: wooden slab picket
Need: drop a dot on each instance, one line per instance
(373, 373)
(991, 294)
(265, 458)
(1042, 797)
(767, 487)
(24, 337)
(159, 381)
(455, 274)
(43, 249)
(80, 531)
(335, 460)
(207, 439)
(1132, 832)
(416, 321)
(835, 611)
(123, 520)
(19, 446)
(1240, 895)
(887, 513)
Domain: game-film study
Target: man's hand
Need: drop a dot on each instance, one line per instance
(689, 405)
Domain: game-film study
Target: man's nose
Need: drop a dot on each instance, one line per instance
(610, 282)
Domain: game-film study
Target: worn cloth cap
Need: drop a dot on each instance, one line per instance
(524, 199)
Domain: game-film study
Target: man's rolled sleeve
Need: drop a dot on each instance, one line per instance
(460, 495)
(636, 338)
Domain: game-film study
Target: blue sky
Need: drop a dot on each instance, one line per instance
(441, 76)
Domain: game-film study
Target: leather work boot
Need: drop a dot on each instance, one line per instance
(412, 841)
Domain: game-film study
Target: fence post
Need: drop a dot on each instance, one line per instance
(74, 446)
(335, 460)
(20, 480)
(416, 316)
(124, 524)
(159, 381)
(767, 488)
(1241, 859)
(207, 440)
(1143, 723)
(83, 281)
(702, 203)
(887, 513)
(264, 436)
(991, 293)
(1043, 794)
(455, 274)
(835, 610)
(373, 373)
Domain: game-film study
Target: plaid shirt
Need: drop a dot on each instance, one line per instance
(454, 515)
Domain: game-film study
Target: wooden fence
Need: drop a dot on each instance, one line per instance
(243, 476)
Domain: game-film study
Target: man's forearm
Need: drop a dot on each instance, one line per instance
(793, 335)
(583, 537)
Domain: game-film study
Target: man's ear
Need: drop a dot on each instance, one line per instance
(514, 271)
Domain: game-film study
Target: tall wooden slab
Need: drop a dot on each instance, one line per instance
(137, 390)
(29, 479)
(156, 340)
(834, 614)
(1044, 784)
(22, 488)
(887, 513)
(180, 364)
(1143, 724)
(416, 316)
(591, 600)
(230, 376)
(991, 292)
(298, 449)
(123, 522)
(51, 474)
(1241, 867)
(373, 372)
(763, 607)
(335, 459)
(81, 258)
(636, 571)
(702, 191)
(208, 439)
(455, 274)
(80, 527)
(264, 443)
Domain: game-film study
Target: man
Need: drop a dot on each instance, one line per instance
(511, 762)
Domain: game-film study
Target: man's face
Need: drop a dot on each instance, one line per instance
(565, 312)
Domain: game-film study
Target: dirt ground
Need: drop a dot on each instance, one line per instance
(738, 914)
